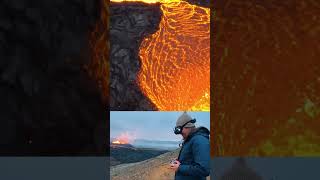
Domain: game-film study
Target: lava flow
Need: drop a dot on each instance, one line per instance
(124, 138)
(119, 142)
(175, 60)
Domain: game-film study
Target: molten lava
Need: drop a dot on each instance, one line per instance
(175, 61)
(118, 142)
(124, 138)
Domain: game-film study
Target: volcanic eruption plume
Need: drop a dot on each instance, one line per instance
(175, 60)
(124, 138)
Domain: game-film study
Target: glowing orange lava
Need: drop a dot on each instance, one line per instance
(124, 138)
(175, 61)
(118, 142)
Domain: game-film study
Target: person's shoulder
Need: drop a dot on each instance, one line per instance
(200, 137)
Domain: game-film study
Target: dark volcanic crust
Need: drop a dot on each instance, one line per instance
(203, 3)
(129, 24)
(124, 155)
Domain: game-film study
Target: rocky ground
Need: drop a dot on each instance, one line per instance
(151, 169)
(49, 105)
(129, 24)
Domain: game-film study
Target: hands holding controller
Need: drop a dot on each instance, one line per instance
(174, 165)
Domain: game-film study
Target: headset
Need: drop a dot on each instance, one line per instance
(178, 129)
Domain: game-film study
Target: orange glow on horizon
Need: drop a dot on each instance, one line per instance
(124, 138)
(118, 142)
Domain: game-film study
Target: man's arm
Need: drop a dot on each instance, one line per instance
(201, 154)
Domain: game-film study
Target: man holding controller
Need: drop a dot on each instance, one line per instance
(193, 162)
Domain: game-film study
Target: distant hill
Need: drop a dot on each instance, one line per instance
(151, 169)
(122, 146)
(155, 144)
(126, 153)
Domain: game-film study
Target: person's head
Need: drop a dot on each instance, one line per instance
(184, 125)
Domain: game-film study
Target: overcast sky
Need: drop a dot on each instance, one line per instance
(151, 125)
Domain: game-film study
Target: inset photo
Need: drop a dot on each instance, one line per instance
(157, 145)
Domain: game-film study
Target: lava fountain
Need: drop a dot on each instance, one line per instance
(175, 60)
(124, 138)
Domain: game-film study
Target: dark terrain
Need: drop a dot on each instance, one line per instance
(122, 154)
(129, 24)
(50, 104)
(155, 168)
(203, 3)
